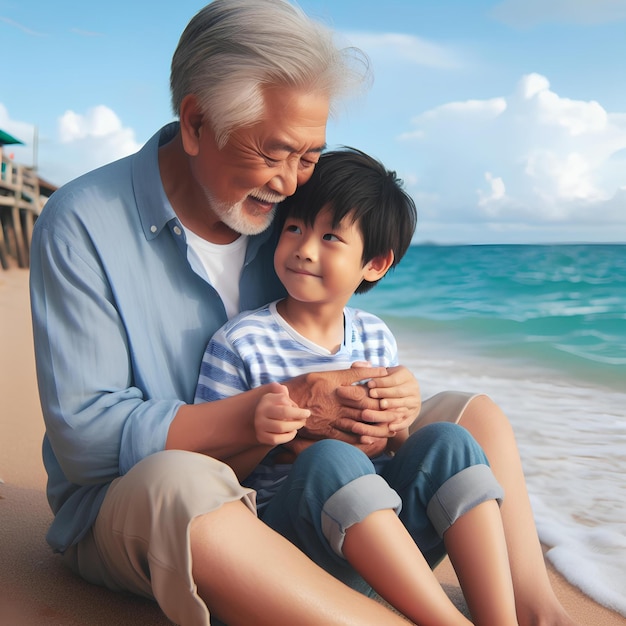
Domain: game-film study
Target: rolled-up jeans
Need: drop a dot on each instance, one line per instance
(438, 474)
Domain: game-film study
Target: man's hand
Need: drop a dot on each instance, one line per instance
(365, 415)
(318, 393)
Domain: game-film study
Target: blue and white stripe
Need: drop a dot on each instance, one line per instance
(259, 347)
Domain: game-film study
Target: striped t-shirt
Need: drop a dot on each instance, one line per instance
(259, 347)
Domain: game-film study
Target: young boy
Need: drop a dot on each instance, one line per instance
(383, 521)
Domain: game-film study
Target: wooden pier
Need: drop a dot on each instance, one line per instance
(22, 197)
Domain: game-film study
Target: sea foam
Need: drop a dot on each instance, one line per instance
(572, 440)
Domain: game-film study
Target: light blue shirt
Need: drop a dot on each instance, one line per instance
(120, 321)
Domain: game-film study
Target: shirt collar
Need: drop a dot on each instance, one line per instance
(154, 208)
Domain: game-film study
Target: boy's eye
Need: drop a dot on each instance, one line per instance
(293, 228)
(330, 237)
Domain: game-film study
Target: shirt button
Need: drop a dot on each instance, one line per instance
(177, 230)
(153, 229)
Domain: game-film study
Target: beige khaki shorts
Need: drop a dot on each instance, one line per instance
(140, 541)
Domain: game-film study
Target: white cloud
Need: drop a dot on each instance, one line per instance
(100, 121)
(455, 114)
(92, 139)
(525, 13)
(82, 143)
(20, 130)
(532, 157)
(496, 193)
(408, 48)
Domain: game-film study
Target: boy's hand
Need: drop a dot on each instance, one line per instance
(399, 401)
(278, 418)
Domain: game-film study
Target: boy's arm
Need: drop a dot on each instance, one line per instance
(220, 428)
(270, 417)
(277, 420)
(239, 430)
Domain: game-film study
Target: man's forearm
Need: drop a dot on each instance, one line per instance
(221, 429)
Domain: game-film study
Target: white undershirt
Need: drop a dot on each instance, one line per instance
(222, 264)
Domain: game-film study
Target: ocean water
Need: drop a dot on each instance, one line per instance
(542, 330)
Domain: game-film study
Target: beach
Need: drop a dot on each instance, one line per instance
(36, 589)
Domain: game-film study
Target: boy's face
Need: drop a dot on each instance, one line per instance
(321, 264)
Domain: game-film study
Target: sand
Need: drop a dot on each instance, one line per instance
(36, 590)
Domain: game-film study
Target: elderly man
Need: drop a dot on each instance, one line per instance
(134, 266)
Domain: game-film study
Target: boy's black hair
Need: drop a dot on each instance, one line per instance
(351, 183)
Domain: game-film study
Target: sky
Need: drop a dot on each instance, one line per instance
(506, 119)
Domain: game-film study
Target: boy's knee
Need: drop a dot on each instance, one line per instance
(451, 442)
(454, 474)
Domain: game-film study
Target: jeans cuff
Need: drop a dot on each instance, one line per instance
(460, 494)
(352, 503)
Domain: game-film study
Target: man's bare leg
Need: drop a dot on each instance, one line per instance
(535, 600)
(248, 574)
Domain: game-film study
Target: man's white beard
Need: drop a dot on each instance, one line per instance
(234, 216)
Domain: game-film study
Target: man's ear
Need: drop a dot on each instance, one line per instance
(376, 268)
(191, 124)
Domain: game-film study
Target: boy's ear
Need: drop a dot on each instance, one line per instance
(191, 120)
(376, 268)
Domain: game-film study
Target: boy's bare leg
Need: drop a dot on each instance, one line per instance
(536, 602)
(477, 549)
(383, 552)
(249, 574)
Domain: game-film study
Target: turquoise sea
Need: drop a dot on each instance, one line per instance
(542, 329)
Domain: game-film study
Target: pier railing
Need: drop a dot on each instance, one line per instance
(21, 203)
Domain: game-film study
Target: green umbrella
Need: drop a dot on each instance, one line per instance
(6, 139)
